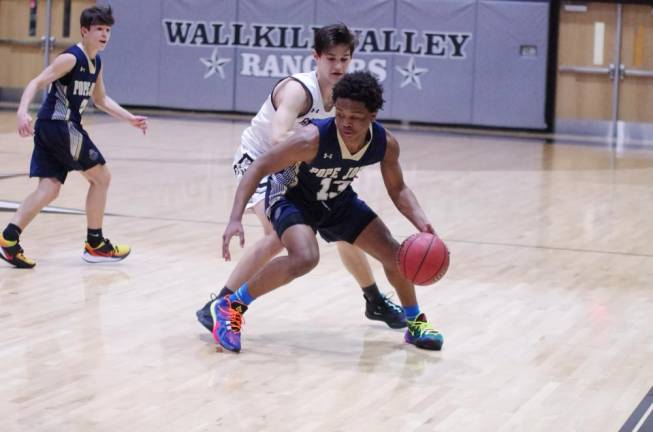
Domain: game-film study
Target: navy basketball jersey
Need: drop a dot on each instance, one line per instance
(68, 96)
(330, 174)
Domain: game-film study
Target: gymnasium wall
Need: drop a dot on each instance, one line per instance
(467, 62)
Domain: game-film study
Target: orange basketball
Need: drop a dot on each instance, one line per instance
(423, 258)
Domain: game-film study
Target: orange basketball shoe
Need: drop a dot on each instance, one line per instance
(11, 252)
(105, 252)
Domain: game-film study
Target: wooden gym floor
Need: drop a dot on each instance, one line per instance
(546, 309)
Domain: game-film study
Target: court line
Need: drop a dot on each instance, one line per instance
(641, 416)
(202, 161)
(643, 419)
(6, 206)
(8, 176)
(524, 246)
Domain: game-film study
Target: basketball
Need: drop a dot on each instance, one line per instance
(423, 258)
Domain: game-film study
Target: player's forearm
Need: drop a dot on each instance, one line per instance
(28, 95)
(407, 204)
(275, 139)
(245, 190)
(112, 107)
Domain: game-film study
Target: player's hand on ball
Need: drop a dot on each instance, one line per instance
(427, 228)
(234, 228)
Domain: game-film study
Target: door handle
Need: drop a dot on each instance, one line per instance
(593, 70)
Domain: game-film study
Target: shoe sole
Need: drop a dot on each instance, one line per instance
(434, 346)
(393, 325)
(94, 259)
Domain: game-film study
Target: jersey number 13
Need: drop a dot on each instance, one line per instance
(331, 188)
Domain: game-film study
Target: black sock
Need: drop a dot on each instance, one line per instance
(372, 293)
(225, 292)
(12, 232)
(94, 237)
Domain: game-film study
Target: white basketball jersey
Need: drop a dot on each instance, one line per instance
(256, 138)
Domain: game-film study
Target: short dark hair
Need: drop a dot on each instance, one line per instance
(96, 15)
(332, 35)
(362, 87)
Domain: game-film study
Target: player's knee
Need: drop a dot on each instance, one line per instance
(104, 179)
(394, 245)
(100, 176)
(391, 248)
(50, 191)
(304, 262)
(388, 255)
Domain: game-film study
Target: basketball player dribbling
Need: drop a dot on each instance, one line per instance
(293, 101)
(310, 191)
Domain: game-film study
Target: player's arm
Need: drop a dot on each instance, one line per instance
(290, 101)
(402, 196)
(109, 106)
(59, 67)
(300, 146)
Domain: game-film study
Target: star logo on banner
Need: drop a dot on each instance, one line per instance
(214, 64)
(411, 74)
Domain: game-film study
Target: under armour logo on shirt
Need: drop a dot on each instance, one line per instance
(82, 69)
(328, 155)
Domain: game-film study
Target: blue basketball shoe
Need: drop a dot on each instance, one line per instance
(227, 321)
(422, 334)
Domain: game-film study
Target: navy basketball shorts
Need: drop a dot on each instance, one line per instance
(62, 146)
(342, 222)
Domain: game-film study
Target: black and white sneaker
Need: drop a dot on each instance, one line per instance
(204, 314)
(382, 309)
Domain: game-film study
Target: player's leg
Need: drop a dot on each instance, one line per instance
(377, 306)
(356, 263)
(99, 179)
(97, 248)
(46, 191)
(10, 250)
(376, 240)
(303, 255)
(49, 163)
(253, 258)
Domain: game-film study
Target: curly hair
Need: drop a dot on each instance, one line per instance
(362, 87)
(96, 15)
